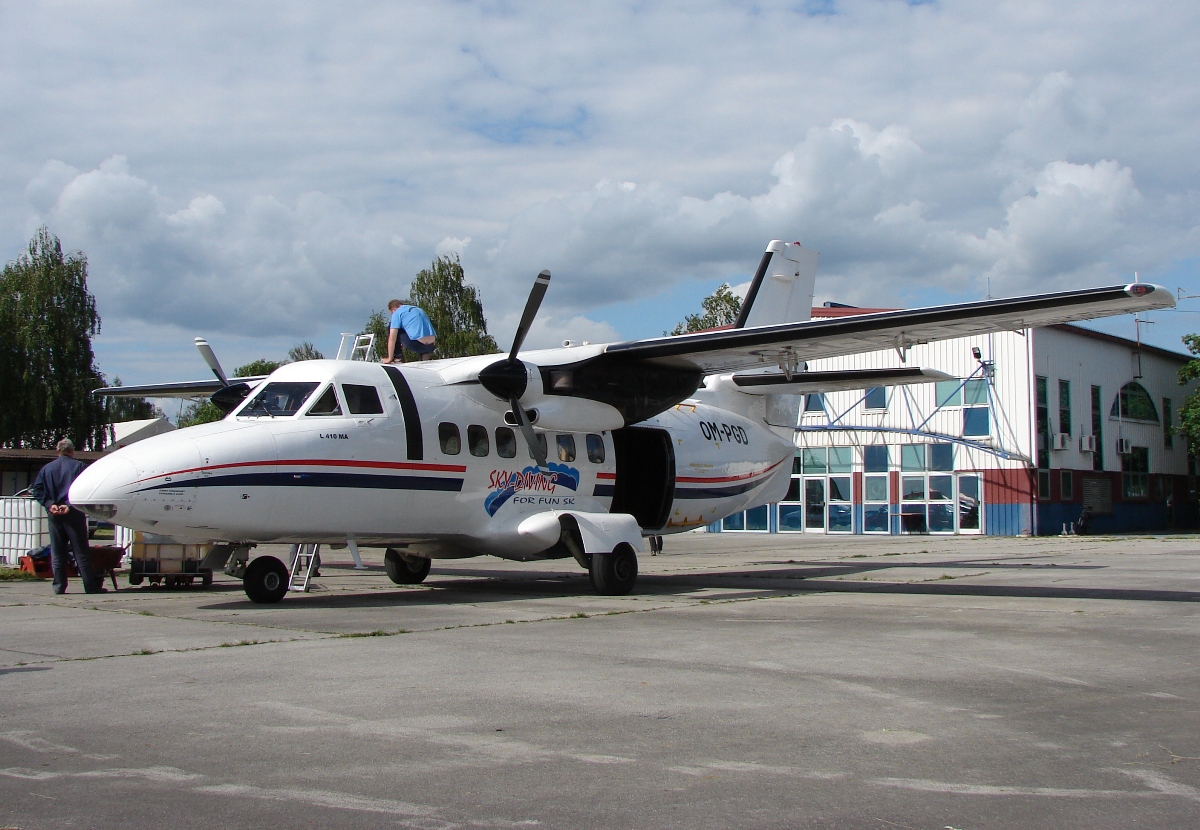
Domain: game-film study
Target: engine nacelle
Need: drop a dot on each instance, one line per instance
(696, 464)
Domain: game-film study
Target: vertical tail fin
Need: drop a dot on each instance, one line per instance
(782, 288)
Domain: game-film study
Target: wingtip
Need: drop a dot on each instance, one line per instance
(1156, 296)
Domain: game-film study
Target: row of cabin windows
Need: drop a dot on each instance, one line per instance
(506, 443)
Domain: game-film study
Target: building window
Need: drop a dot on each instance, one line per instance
(1043, 425)
(875, 458)
(815, 461)
(1097, 429)
(949, 392)
(1043, 482)
(912, 458)
(1066, 486)
(941, 457)
(976, 421)
(1168, 425)
(876, 398)
(1135, 473)
(1064, 407)
(841, 459)
(1134, 404)
(814, 402)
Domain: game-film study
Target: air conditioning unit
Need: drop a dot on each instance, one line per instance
(1087, 443)
(1061, 441)
(1122, 446)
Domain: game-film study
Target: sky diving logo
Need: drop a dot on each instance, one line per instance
(535, 486)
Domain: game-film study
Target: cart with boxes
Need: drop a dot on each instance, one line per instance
(160, 559)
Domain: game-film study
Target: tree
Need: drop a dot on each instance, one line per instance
(118, 410)
(303, 351)
(453, 307)
(377, 324)
(720, 309)
(199, 412)
(1189, 413)
(47, 368)
(254, 368)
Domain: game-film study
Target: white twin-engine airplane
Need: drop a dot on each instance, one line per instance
(581, 451)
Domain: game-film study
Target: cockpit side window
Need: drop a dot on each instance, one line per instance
(362, 400)
(280, 399)
(327, 403)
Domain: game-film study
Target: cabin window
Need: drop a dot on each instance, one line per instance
(477, 440)
(541, 439)
(278, 400)
(566, 447)
(362, 400)
(595, 449)
(448, 437)
(327, 404)
(506, 443)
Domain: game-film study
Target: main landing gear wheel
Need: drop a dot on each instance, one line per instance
(613, 574)
(405, 571)
(266, 580)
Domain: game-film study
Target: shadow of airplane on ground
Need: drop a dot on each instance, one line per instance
(502, 585)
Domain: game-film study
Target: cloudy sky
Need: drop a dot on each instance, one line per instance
(263, 174)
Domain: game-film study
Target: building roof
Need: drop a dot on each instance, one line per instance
(1180, 357)
(43, 456)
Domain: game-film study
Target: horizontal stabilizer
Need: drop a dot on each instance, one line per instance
(807, 383)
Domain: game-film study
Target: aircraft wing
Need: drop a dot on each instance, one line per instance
(791, 344)
(176, 389)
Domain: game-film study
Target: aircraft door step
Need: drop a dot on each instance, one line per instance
(305, 562)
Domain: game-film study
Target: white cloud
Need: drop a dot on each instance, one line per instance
(286, 174)
(264, 267)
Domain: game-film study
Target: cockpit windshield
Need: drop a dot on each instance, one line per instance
(278, 400)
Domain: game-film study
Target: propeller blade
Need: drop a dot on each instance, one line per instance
(210, 358)
(540, 284)
(535, 446)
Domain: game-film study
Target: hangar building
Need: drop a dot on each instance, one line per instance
(1037, 424)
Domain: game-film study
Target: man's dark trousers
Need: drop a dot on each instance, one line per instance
(71, 529)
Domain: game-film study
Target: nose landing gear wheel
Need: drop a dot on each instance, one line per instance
(613, 574)
(266, 580)
(405, 571)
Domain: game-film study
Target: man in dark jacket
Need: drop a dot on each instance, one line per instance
(68, 526)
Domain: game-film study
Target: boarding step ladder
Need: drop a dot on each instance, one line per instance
(357, 347)
(303, 565)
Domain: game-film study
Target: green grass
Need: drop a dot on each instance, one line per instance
(379, 632)
(15, 575)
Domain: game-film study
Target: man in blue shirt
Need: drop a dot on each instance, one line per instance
(411, 326)
(68, 526)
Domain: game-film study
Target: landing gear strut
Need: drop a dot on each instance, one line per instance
(613, 574)
(402, 571)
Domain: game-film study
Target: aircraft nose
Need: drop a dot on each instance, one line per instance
(105, 489)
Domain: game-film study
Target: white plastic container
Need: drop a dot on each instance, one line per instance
(24, 526)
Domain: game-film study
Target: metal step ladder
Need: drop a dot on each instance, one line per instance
(357, 347)
(303, 565)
